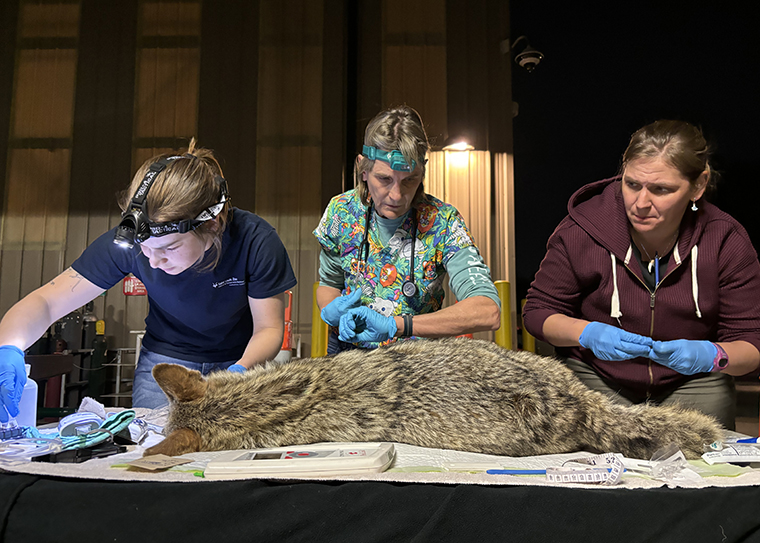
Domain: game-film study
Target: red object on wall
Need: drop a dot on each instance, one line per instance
(288, 307)
(132, 286)
(287, 339)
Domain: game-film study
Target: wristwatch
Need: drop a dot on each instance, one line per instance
(407, 332)
(721, 359)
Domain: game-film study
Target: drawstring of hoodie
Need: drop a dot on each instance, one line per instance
(615, 311)
(615, 302)
(694, 284)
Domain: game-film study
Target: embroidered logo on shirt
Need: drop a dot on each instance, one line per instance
(231, 282)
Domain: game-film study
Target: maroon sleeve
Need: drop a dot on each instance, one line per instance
(556, 287)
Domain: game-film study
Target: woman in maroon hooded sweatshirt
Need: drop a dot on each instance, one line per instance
(649, 292)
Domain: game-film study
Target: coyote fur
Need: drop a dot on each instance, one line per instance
(461, 394)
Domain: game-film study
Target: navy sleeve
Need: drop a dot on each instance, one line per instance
(104, 263)
(269, 269)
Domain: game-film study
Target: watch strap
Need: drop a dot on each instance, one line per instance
(407, 325)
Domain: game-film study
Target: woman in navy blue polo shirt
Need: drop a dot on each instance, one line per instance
(215, 277)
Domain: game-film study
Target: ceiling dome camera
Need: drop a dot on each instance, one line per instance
(529, 58)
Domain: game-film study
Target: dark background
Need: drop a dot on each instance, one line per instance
(607, 71)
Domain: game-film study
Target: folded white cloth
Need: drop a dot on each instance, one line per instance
(90, 405)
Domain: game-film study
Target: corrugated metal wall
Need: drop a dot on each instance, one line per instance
(34, 226)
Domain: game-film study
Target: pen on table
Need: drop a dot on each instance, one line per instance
(527, 471)
(749, 440)
(516, 471)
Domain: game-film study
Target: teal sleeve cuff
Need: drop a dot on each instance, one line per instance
(330, 271)
(469, 276)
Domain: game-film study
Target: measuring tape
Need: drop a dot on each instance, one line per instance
(608, 470)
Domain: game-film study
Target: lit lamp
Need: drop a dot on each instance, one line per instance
(461, 145)
(457, 152)
(461, 176)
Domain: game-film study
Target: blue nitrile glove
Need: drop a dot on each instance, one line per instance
(333, 311)
(684, 355)
(614, 344)
(12, 380)
(364, 324)
(237, 368)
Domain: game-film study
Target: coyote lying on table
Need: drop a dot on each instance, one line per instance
(461, 394)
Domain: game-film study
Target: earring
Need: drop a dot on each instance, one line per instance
(694, 205)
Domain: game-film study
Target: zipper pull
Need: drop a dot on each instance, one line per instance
(651, 300)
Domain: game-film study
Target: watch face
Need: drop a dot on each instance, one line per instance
(721, 359)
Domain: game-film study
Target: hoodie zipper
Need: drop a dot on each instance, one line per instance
(652, 294)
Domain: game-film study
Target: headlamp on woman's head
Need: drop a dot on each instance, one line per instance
(135, 227)
(158, 229)
(394, 158)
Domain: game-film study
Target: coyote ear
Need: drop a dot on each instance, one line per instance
(179, 383)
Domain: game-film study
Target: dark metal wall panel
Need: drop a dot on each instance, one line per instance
(478, 74)
(352, 97)
(468, 70)
(413, 60)
(228, 99)
(499, 78)
(102, 153)
(8, 24)
(369, 66)
(334, 96)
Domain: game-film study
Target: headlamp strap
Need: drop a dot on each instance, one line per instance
(187, 225)
(138, 200)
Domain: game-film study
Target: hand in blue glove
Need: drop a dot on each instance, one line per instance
(12, 380)
(684, 355)
(237, 368)
(364, 324)
(333, 311)
(614, 344)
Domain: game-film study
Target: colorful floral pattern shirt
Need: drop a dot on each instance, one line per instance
(441, 233)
